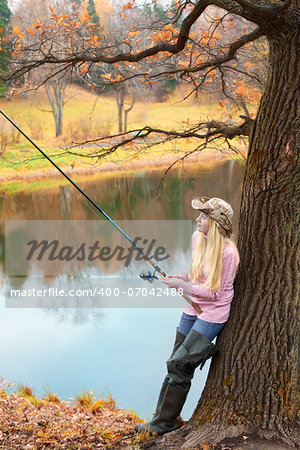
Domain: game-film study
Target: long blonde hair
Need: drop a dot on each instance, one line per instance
(209, 252)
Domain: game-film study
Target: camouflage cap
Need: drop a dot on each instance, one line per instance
(218, 210)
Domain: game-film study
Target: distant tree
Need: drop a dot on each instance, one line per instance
(28, 17)
(5, 14)
(77, 3)
(55, 89)
(91, 10)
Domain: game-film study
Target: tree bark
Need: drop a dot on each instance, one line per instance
(120, 96)
(252, 383)
(56, 92)
(126, 111)
(122, 111)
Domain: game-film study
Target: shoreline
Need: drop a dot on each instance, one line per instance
(126, 167)
(89, 422)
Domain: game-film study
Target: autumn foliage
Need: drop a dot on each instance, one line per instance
(69, 35)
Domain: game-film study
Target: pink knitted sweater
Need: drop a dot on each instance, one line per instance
(215, 305)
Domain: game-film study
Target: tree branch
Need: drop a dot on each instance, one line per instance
(126, 57)
(253, 11)
(267, 8)
(210, 63)
(265, 14)
(212, 129)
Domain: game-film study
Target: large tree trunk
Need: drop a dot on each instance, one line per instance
(252, 384)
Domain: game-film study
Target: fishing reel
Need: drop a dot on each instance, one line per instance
(148, 276)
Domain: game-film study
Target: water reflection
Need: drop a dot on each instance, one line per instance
(105, 349)
(122, 198)
(128, 197)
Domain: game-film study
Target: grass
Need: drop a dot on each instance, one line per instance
(89, 116)
(14, 187)
(50, 397)
(84, 107)
(87, 400)
(26, 392)
(29, 159)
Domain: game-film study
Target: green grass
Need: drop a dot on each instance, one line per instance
(89, 116)
(15, 187)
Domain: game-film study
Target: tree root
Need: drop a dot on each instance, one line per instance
(226, 438)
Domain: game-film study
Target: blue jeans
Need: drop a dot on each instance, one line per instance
(208, 329)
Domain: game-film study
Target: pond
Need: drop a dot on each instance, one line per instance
(118, 350)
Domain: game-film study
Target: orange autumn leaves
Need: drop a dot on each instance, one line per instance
(129, 5)
(17, 31)
(168, 33)
(57, 27)
(200, 47)
(60, 25)
(244, 92)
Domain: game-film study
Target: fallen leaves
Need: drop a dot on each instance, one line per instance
(31, 423)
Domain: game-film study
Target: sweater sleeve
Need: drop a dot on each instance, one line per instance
(229, 265)
(184, 276)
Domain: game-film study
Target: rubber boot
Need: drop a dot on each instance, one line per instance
(170, 409)
(194, 350)
(178, 341)
(144, 426)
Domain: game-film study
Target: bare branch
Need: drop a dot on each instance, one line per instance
(205, 131)
(249, 75)
(200, 147)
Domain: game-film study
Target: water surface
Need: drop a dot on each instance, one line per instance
(121, 351)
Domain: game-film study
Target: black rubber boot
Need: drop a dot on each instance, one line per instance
(144, 426)
(170, 409)
(194, 350)
(178, 341)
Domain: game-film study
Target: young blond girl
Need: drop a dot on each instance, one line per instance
(209, 284)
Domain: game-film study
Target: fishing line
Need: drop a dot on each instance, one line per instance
(156, 267)
(145, 275)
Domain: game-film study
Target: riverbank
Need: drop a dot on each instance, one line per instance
(49, 423)
(31, 423)
(88, 116)
(125, 166)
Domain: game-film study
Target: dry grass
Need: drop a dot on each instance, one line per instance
(88, 116)
(83, 107)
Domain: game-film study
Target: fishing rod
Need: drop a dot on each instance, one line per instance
(145, 275)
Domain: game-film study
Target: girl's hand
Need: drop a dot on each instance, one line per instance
(172, 281)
